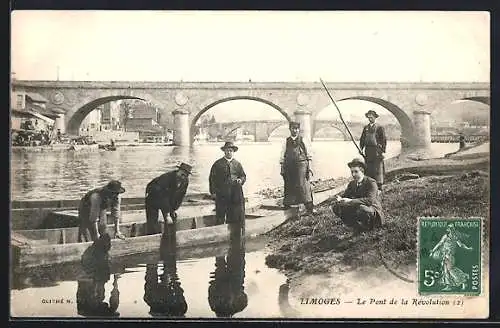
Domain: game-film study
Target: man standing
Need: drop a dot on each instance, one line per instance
(374, 142)
(295, 161)
(461, 141)
(92, 211)
(359, 207)
(226, 180)
(166, 193)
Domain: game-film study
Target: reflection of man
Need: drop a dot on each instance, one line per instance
(165, 298)
(96, 272)
(359, 207)
(374, 142)
(226, 292)
(295, 161)
(92, 214)
(166, 193)
(226, 180)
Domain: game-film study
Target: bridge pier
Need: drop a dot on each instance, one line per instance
(422, 129)
(304, 118)
(181, 128)
(60, 123)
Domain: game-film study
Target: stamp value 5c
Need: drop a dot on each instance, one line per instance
(449, 256)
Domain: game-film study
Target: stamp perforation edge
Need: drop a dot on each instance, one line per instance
(483, 252)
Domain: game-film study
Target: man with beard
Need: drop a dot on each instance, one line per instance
(226, 186)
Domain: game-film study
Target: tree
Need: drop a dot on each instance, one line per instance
(125, 114)
(212, 120)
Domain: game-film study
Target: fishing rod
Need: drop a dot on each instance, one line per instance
(340, 115)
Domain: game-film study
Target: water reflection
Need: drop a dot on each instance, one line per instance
(66, 175)
(96, 273)
(286, 309)
(226, 293)
(165, 296)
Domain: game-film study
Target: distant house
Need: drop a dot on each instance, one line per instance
(138, 124)
(29, 109)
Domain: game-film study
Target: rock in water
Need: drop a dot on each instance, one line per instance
(407, 176)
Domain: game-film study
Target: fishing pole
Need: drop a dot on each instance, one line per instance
(340, 115)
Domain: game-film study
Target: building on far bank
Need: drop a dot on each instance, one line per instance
(28, 111)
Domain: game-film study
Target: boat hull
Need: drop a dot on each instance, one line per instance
(30, 255)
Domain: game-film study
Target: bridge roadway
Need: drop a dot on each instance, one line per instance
(412, 103)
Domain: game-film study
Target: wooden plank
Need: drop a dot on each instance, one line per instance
(196, 198)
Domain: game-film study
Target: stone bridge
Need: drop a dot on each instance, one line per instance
(262, 130)
(411, 103)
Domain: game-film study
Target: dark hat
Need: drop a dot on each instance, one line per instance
(229, 144)
(115, 186)
(372, 112)
(294, 125)
(186, 167)
(357, 163)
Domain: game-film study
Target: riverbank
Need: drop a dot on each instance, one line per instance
(312, 249)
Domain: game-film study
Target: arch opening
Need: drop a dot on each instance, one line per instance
(196, 118)
(330, 127)
(483, 100)
(272, 132)
(470, 116)
(407, 128)
(77, 118)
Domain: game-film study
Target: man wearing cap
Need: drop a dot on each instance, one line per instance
(359, 206)
(92, 211)
(225, 181)
(374, 142)
(166, 193)
(295, 162)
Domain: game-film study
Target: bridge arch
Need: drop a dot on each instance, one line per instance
(480, 99)
(407, 127)
(223, 100)
(231, 131)
(276, 127)
(332, 125)
(83, 110)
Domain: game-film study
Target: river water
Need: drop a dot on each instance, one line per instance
(68, 175)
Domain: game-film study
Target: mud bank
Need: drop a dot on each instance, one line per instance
(320, 245)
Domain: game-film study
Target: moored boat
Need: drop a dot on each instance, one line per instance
(43, 247)
(38, 247)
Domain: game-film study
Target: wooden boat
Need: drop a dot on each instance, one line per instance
(37, 247)
(46, 214)
(42, 247)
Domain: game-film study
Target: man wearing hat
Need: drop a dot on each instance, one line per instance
(359, 207)
(166, 193)
(92, 211)
(295, 161)
(374, 142)
(225, 181)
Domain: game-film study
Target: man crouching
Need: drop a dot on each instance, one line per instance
(359, 207)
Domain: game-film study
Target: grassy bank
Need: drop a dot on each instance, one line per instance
(321, 243)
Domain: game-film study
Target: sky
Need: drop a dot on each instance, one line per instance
(261, 46)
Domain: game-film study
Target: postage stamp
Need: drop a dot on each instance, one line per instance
(449, 256)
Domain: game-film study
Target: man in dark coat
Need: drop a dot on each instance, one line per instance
(225, 181)
(359, 207)
(295, 161)
(92, 211)
(374, 142)
(166, 193)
